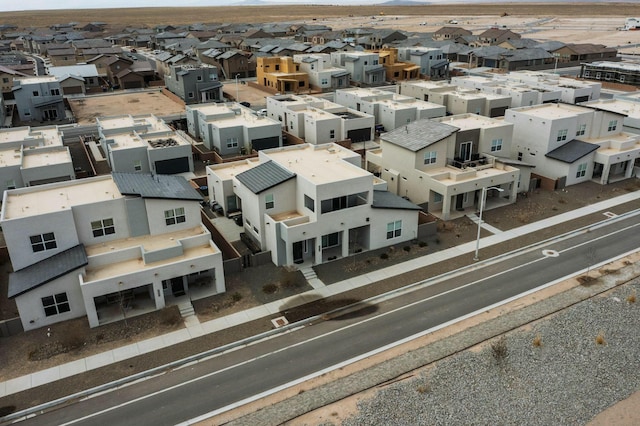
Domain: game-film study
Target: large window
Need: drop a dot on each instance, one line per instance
(613, 125)
(496, 145)
(430, 157)
(137, 165)
(562, 135)
(309, 203)
(582, 129)
(331, 240)
(42, 242)
(343, 202)
(56, 304)
(232, 142)
(173, 216)
(103, 227)
(269, 201)
(582, 170)
(394, 229)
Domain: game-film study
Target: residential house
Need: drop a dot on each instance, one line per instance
(574, 54)
(107, 247)
(88, 73)
(143, 144)
(572, 91)
(615, 72)
(318, 121)
(494, 36)
(520, 43)
(33, 156)
(7, 75)
(109, 66)
(383, 36)
(364, 68)
(312, 204)
(281, 74)
(456, 100)
(390, 109)
(231, 129)
(521, 94)
(432, 61)
(61, 56)
(194, 85)
(233, 63)
(322, 75)
(38, 99)
(628, 106)
(570, 144)
(395, 68)
(525, 59)
(443, 164)
(450, 33)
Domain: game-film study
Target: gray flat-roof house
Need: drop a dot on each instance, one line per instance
(194, 85)
(39, 98)
(363, 67)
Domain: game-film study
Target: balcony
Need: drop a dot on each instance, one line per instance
(477, 162)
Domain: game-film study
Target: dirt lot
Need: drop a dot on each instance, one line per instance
(86, 110)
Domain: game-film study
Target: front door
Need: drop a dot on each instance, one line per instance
(297, 252)
(177, 286)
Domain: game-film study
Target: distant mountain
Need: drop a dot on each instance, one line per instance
(252, 3)
(404, 3)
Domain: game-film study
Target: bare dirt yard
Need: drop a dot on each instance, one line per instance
(87, 109)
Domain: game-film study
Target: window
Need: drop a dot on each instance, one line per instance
(332, 133)
(582, 170)
(190, 95)
(301, 84)
(324, 81)
(330, 240)
(343, 202)
(309, 203)
(103, 227)
(212, 77)
(232, 142)
(56, 304)
(137, 165)
(496, 145)
(43, 242)
(562, 135)
(437, 197)
(55, 92)
(581, 130)
(269, 202)
(35, 93)
(430, 157)
(11, 184)
(613, 124)
(173, 216)
(277, 67)
(394, 229)
(199, 78)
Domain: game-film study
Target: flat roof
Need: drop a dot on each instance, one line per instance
(10, 157)
(127, 121)
(37, 200)
(472, 121)
(40, 158)
(619, 106)
(226, 171)
(48, 135)
(551, 111)
(318, 164)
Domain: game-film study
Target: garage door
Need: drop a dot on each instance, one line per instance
(265, 143)
(172, 166)
(359, 135)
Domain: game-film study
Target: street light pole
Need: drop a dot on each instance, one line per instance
(483, 197)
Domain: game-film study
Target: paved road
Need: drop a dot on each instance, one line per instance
(240, 374)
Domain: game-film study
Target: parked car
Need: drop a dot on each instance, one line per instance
(244, 103)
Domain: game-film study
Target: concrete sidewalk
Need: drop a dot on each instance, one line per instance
(193, 327)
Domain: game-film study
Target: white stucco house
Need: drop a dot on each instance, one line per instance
(107, 248)
(312, 203)
(145, 144)
(322, 74)
(33, 156)
(443, 164)
(571, 144)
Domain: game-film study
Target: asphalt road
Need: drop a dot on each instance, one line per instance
(240, 374)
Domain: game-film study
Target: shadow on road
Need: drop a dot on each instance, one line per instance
(295, 313)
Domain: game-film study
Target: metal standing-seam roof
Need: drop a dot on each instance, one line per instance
(572, 151)
(46, 270)
(264, 176)
(155, 186)
(419, 134)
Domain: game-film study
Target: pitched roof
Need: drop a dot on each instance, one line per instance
(419, 134)
(572, 151)
(46, 270)
(388, 200)
(155, 186)
(264, 176)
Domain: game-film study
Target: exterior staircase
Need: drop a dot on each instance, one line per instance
(309, 273)
(186, 309)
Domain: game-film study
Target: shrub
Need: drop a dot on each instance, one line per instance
(537, 341)
(269, 288)
(424, 388)
(236, 297)
(406, 248)
(499, 349)
(631, 298)
(422, 244)
(562, 201)
(384, 256)
(600, 339)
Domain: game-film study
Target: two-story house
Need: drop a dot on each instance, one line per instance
(443, 164)
(107, 248)
(322, 75)
(570, 144)
(38, 99)
(308, 203)
(363, 67)
(281, 74)
(194, 85)
(231, 129)
(432, 62)
(143, 144)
